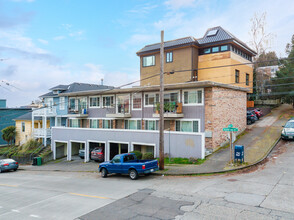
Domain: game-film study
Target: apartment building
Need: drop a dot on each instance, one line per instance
(218, 56)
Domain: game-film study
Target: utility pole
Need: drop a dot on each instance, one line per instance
(161, 120)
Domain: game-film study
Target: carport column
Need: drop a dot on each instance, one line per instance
(69, 151)
(203, 146)
(45, 130)
(54, 150)
(119, 148)
(107, 151)
(86, 151)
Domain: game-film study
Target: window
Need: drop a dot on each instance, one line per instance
(206, 50)
(151, 99)
(193, 97)
(237, 73)
(137, 101)
(123, 103)
(212, 32)
(94, 123)
(224, 48)
(170, 97)
(149, 61)
(94, 102)
(116, 159)
(187, 126)
(74, 123)
(58, 121)
(215, 49)
(107, 101)
(82, 102)
(61, 103)
(247, 79)
(72, 103)
(151, 125)
(133, 124)
(107, 124)
(23, 127)
(169, 57)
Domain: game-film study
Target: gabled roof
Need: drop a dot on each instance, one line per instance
(27, 116)
(76, 87)
(167, 44)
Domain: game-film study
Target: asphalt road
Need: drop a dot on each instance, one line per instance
(266, 192)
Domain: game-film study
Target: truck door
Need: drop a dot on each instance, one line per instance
(115, 166)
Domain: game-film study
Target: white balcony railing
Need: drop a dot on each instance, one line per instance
(45, 111)
(41, 132)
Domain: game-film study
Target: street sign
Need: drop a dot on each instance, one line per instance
(230, 129)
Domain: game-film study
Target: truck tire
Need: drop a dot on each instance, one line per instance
(103, 173)
(133, 174)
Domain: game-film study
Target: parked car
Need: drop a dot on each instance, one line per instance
(97, 154)
(251, 118)
(288, 131)
(254, 115)
(257, 112)
(8, 164)
(128, 164)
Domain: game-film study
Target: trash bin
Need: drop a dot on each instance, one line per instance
(34, 161)
(239, 153)
(39, 161)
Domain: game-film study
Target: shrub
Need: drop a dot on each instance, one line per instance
(138, 154)
(148, 156)
(29, 146)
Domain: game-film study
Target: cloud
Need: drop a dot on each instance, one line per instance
(143, 9)
(59, 38)
(139, 40)
(43, 41)
(176, 4)
(15, 20)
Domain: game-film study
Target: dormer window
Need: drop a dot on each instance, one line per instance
(55, 92)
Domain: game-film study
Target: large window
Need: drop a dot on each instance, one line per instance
(149, 61)
(169, 57)
(237, 76)
(187, 126)
(193, 97)
(72, 103)
(247, 79)
(123, 103)
(76, 104)
(151, 125)
(95, 102)
(206, 50)
(107, 101)
(171, 97)
(215, 49)
(137, 101)
(133, 124)
(151, 99)
(74, 123)
(94, 123)
(107, 123)
(61, 103)
(224, 48)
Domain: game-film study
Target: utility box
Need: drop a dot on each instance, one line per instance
(39, 161)
(239, 153)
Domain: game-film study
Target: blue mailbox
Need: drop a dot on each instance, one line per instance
(239, 153)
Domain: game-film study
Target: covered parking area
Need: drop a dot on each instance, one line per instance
(144, 148)
(97, 144)
(117, 147)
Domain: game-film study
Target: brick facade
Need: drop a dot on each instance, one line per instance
(223, 107)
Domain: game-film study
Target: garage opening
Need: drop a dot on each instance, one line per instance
(118, 148)
(61, 149)
(144, 148)
(78, 150)
(97, 151)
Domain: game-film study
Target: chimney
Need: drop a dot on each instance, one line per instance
(102, 82)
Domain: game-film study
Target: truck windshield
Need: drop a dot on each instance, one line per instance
(129, 158)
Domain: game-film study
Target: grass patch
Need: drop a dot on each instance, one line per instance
(179, 160)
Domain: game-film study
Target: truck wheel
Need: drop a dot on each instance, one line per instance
(103, 173)
(133, 174)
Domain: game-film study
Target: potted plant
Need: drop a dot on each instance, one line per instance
(157, 108)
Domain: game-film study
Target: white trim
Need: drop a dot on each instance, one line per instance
(203, 146)
(147, 93)
(100, 99)
(85, 148)
(132, 98)
(111, 105)
(192, 104)
(146, 144)
(199, 126)
(83, 142)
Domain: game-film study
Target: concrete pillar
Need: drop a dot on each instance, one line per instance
(107, 151)
(119, 148)
(54, 150)
(69, 151)
(87, 158)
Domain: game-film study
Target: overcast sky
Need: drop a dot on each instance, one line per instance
(44, 43)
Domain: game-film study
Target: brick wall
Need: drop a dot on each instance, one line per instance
(223, 107)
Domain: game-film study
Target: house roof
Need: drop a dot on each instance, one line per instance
(75, 87)
(167, 44)
(212, 36)
(27, 116)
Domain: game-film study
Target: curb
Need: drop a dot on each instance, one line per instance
(226, 171)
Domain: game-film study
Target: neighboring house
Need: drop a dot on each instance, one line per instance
(191, 59)
(7, 115)
(123, 120)
(24, 126)
(56, 109)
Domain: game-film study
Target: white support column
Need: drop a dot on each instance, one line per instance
(203, 146)
(87, 152)
(55, 121)
(33, 124)
(45, 129)
(69, 151)
(54, 150)
(107, 151)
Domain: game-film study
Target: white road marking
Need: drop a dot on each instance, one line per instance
(35, 216)
(15, 210)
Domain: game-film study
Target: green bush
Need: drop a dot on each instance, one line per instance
(29, 146)
(138, 154)
(148, 156)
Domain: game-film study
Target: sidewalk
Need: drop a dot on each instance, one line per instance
(257, 140)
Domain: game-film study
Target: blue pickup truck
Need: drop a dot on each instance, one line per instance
(128, 164)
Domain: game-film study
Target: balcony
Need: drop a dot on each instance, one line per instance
(171, 110)
(77, 112)
(42, 132)
(119, 111)
(45, 111)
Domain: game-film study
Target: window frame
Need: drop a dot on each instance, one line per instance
(218, 49)
(111, 105)
(247, 79)
(128, 124)
(91, 122)
(153, 61)
(141, 96)
(128, 102)
(61, 103)
(237, 76)
(23, 126)
(156, 121)
(193, 104)
(189, 120)
(171, 58)
(149, 93)
(98, 101)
